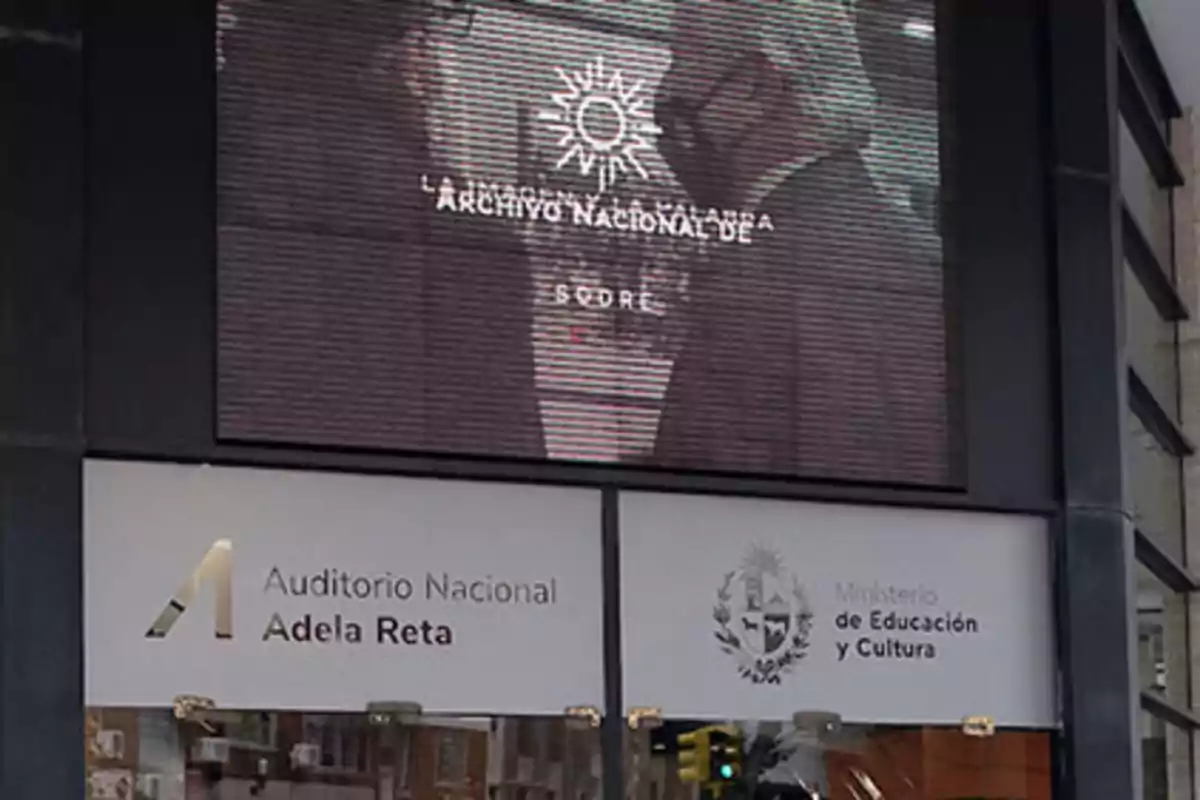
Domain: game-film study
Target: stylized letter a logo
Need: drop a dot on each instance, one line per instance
(217, 567)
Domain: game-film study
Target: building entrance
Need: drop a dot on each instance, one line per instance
(562, 645)
(395, 753)
(384, 754)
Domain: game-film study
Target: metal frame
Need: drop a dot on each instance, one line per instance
(613, 730)
(999, 278)
(1139, 49)
(1147, 99)
(41, 405)
(1155, 418)
(1150, 272)
(1148, 105)
(1101, 753)
(1157, 705)
(1146, 130)
(559, 473)
(1163, 565)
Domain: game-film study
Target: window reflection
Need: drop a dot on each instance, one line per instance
(853, 762)
(1162, 638)
(146, 754)
(1166, 760)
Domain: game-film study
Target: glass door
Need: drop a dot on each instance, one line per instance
(822, 759)
(152, 754)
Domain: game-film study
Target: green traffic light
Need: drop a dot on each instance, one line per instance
(726, 771)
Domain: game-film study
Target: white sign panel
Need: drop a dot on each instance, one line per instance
(316, 591)
(757, 609)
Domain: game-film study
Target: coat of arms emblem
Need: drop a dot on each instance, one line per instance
(763, 617)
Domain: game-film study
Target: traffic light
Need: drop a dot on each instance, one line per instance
(711, 757)
(725, 755)
(693, 756)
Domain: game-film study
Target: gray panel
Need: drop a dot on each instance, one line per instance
(41, 359)
(41, 625)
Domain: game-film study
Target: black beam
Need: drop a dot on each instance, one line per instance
(1157, 422)
(995, 205)
(41, 441)
(1149, 270)
(1164, 565)
(1154, 703)
(1150, 137)
(560, 473)
(1135, 41)
(1094, 543)
(613, 743)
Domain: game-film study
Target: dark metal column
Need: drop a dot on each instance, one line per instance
(1101, 748)
(41, 371)
(613, 734)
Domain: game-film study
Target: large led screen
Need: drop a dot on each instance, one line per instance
(697, 234)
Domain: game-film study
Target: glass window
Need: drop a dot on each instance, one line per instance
(1149, 204)
(452, 757)
(252, 727)
(1151, 345)
(1162, 616)
(526, 739)
(554, 743)
(1155, 489)
(396, 761)
(339, 739)
(1166, 760)
(147, 754)
(853, 762)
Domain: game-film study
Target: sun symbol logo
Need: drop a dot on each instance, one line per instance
(601, 123)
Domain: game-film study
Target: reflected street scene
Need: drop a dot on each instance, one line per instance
(817, 757)
(151, 754)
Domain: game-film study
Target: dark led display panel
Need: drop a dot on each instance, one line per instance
(696, 234)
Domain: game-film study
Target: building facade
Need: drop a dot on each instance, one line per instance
(463, 400)
(1158, 210)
